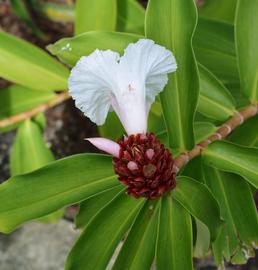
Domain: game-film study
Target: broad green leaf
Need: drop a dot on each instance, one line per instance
(174, 247)
(234, 158)
(16, 99)
(202, 243)
(247, 50)
(33, 67)
(130, 16)
(21, 10)
(90, 207)
(95, 15)
(202, 130)
(138, 250)
(198, 200)
(237, 206)
(102, 235)
(215, 101)
(63, 182)
(69, 50)
(214, 48)
(40, 120)
(29, 151)
(219, 9)
(177, 19)
(241, 136)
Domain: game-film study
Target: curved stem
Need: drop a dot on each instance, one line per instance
(222, 132)
(41, 108)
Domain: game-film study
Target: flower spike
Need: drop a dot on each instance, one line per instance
(129, 84)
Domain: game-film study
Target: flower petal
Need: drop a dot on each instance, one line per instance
(149, 63)
(91, 83)
(106, 145)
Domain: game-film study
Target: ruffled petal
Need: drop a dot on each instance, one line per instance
(149, 63)
(91, 83)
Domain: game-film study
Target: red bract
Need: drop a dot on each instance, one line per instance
(145, 166)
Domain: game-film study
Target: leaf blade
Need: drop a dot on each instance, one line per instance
(174, 247)
(234, 158)
(32, 65)
(201, 205)
(62, 183)
(246, 44)
(95, 15)
(179, 99)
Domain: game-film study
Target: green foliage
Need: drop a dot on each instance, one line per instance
(234, 158)
(215, 49)
(69, 50)
(130, 16)
(63, 182)
(197, 199)
(219, 9)
(215, 101)
(212, 205)
(179, 99)
(16, 99)
(33, 67)
(247, 49)
(95, 15)
(21, 10)
(102, 234)
(174, 247)
(240, 230)
(29, 150)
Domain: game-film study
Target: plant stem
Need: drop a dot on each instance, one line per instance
(41, 108)
(222, 132)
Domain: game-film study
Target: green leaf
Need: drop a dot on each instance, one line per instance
(234, 158)
(138, 250)
(61, 183)
(177, 19)
(202, 243)
(91, 207)
(102, 235)
(215, 101)
(33, 67)
(214, 48)
(69, 50)
(247, 49)
(95, 15)
(250, 138)
(21, 10)
(202, 130)
(219, 9)
(237, 206)
(29, 151)
(130, 16)
(174, 247)
(198, 200)
(16, 99)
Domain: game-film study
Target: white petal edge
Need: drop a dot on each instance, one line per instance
(91, 82)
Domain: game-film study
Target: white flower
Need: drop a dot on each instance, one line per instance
(103, 81)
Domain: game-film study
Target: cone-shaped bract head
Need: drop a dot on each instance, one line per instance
(145, 166)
